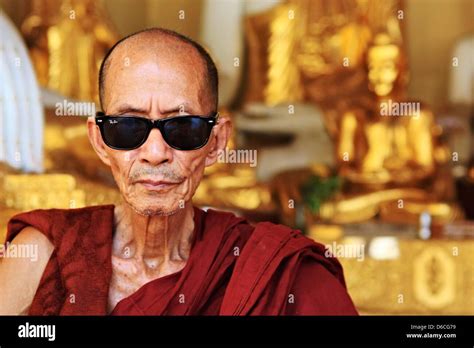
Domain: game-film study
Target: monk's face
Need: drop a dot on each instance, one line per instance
(158, 81)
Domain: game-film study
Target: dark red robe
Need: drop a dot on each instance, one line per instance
(234, 268)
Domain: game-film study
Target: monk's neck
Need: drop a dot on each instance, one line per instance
(153, 240)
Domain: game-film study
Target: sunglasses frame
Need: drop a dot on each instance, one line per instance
(212, 119)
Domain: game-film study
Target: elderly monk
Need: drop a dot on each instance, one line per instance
(155, 253)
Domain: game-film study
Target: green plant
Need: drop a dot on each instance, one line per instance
(316, 190)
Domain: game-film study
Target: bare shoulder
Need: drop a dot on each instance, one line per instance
(33, 236)
(21, 269)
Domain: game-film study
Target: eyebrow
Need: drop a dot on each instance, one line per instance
(127, 108)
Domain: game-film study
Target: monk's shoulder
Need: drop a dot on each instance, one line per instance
(229, 223)
(31, 236)
(43, 216)
(90, 212)
(21, 269)
(275, 235)
(317, 291)
(244, 229)
(53, 223)
(318, 285)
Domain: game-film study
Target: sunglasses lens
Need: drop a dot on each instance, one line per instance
(181, 133)
(187, 133)
(124, 133)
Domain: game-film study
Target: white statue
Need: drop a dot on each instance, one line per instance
(223, 34)
(21, 111)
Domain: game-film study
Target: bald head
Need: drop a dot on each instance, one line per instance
(173, 50)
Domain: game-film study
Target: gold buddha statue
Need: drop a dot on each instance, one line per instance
(347, 57)
(389, 151)
(390, 140)
(67, 41)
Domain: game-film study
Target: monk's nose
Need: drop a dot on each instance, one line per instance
(155, 150)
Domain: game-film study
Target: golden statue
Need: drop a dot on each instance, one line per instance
(347, 57)
(390, 149)
(390, 139)
(68, 45)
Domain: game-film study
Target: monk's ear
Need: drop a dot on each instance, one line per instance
(219, 138)
(96, 140)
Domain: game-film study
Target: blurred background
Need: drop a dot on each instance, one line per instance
(353, 121)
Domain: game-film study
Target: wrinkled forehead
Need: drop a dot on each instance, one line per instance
(143, 69)
(156, 47)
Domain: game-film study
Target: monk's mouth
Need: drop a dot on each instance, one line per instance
(157, 185)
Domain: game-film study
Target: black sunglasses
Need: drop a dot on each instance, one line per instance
(188, 132)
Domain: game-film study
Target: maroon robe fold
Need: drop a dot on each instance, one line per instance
(234, 268)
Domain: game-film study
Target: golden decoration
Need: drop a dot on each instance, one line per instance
(434, 277)
(284, 84)
(439, 281)
(33, 191)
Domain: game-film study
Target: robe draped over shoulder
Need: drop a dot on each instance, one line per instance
(234, 268)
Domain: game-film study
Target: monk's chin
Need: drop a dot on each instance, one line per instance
(154, 211)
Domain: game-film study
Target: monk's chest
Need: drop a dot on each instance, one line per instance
(129, 275)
